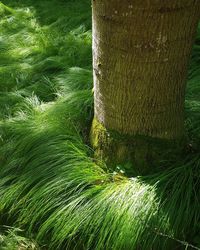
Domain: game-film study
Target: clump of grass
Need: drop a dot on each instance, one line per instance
(12, 240)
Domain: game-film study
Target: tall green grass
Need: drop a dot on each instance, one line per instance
(33, 57)
(50, 185)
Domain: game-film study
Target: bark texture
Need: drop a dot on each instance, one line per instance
(141, 51)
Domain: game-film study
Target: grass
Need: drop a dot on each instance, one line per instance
(50, 186)
(12, 240)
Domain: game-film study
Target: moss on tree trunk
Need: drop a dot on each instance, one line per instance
(144, 153)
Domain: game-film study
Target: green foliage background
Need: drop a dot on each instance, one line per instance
(50, 186)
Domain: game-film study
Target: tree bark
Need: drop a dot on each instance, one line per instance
(141, 51)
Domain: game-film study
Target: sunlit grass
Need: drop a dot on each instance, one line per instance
(11, 239)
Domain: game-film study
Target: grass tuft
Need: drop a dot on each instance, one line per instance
(12, 240)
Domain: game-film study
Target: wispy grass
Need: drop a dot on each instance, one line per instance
(32, 55)
(12, 240)
(50, 186)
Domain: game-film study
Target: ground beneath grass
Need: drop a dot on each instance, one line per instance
(50, 186)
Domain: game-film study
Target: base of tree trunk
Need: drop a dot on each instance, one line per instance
(144, 153)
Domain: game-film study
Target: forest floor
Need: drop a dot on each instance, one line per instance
(51, 189)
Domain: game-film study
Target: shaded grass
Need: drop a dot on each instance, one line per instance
(33, 55)
(50, 185)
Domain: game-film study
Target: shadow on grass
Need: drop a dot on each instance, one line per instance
(38, 47)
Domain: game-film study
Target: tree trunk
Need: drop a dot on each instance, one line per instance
(141, 51)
